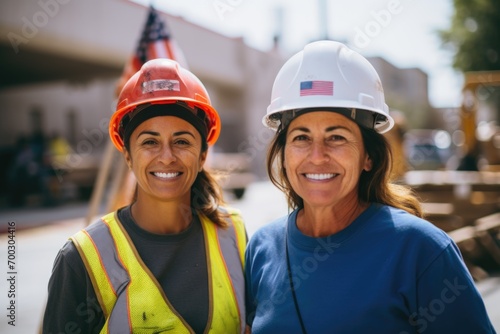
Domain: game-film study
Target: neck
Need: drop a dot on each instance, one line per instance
(162, 217)
(322, 222)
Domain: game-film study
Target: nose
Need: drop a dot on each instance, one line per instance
(166, 155)
(318, 153)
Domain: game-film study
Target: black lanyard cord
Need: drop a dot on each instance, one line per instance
(289, 269)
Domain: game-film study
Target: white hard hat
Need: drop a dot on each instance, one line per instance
(327, 75)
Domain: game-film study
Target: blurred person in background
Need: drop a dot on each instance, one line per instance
(21, 172)
(173, 259)
(355, 254)
(59, 149)
(30, 172)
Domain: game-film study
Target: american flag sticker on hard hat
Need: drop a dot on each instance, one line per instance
(308, 88)
(162, 84)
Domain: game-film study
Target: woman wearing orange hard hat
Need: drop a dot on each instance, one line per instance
(173, 259)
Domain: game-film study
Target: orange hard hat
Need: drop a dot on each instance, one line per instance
(163, 81)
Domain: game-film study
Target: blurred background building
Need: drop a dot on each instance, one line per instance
(61, 61)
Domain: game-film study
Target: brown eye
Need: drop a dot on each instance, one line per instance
(149, 142)
(300, 138)
(182, 142)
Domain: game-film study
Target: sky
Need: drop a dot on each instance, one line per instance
(404, 32)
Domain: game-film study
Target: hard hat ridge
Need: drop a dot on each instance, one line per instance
(327, 75)
(195, 116)
(164, 82)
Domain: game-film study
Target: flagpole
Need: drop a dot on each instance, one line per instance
(123, 188)
(100, 182)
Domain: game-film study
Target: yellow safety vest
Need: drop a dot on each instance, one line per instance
(132, 299)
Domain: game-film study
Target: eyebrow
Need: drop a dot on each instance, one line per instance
(154, 133)
(328, 129)
(180, 133)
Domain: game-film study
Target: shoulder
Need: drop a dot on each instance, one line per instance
(232, 212)
(411, 242)
(276, 226)
(97, 230)
(406, 224)
(98, 223)
(82, 236)
(234, 215)
(68, 260)
(411, 234)
(234, 218)
(270, 233)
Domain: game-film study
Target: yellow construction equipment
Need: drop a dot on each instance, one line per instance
(481, 138)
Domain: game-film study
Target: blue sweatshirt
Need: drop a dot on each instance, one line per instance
(387, 272)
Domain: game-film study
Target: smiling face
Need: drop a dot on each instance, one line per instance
(165, 155)
(324, 157)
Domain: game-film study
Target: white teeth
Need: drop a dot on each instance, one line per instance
(320, 176)
(166, 175)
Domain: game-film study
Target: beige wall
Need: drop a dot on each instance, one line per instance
(105, 32)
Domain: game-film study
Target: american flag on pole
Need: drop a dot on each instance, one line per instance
(308, 88)
(156, 42)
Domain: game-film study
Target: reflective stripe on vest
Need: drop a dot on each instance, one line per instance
(132, 299)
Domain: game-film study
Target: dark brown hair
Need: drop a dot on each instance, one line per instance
(206, 198)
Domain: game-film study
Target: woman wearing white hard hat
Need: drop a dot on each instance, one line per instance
(354, 255)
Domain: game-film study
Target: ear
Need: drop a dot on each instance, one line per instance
(128, 158)
(368, 165)
(203, 158)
